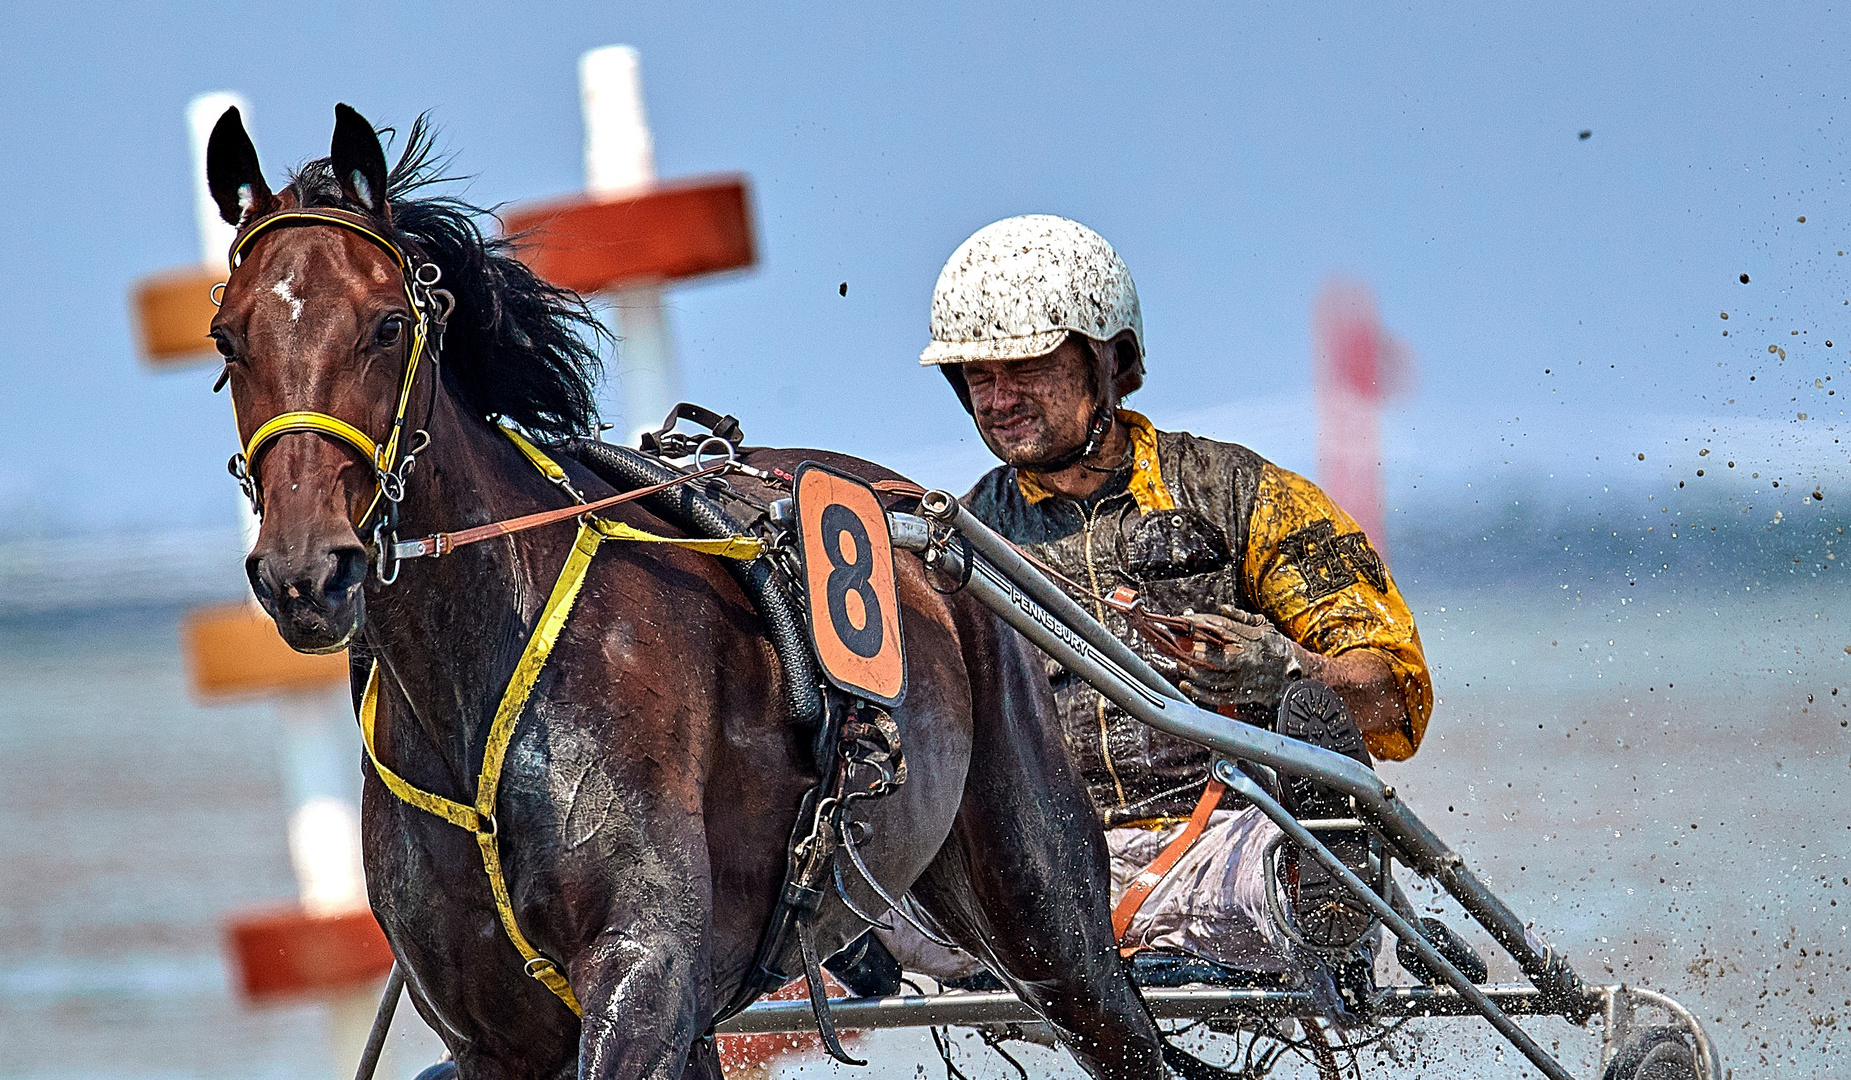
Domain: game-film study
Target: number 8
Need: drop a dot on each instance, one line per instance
(847, 576)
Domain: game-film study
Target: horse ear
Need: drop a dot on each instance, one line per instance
(233, 175)
(358, 161)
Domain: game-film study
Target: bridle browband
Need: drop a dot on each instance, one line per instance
(393, 460)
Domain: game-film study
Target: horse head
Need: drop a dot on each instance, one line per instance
(314, 321)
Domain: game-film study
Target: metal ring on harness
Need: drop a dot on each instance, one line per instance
(385, 558)
(731, 452)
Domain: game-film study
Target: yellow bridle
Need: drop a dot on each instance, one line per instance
(432, 307)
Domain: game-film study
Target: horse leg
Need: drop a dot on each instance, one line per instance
(1023, 879)
(704, 1060)
(644, 980)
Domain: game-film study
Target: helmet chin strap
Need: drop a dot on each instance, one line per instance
(1103, 416)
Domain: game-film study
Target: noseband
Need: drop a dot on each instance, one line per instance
(391, 461)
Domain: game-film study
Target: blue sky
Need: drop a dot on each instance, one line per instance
(1237, 156)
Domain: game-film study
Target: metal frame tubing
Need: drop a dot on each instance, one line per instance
(1078, 642)
(965, 1008)
(1227, 773)
(945, 509)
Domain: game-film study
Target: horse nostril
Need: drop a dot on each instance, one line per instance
(349, 570)
(254, 572)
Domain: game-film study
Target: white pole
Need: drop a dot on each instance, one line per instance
(620, 155)
(620, 161)
(320, 747)
(215, 234)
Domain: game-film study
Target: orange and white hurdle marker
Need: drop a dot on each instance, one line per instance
(629, 235)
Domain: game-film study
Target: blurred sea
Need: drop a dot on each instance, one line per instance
(1654, 769)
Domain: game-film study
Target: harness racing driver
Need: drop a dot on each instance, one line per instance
(1294, 622)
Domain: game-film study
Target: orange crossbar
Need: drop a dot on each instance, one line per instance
(233, 651)
(287, 952)
(173, 311)
(676, 230)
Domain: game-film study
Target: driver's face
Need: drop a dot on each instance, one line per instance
(1033, 410)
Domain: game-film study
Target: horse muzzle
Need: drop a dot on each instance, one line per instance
(314, 592)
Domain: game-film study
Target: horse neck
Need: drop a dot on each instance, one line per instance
(448, 625)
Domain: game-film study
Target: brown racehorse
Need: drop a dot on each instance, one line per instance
(654, 776)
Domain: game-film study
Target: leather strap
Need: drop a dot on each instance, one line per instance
(318, 215)
(903, 488)
(1166, 860)
(819, 994)
(438, 544)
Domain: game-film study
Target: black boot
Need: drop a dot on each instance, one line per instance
(866, 968)
(1327, 915)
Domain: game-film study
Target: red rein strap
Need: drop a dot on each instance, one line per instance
(440, 544)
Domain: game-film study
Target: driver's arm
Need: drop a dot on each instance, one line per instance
(1310, 570)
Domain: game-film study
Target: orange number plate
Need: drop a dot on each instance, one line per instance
(848, 572)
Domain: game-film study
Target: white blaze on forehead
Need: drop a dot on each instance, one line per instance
(282, 290)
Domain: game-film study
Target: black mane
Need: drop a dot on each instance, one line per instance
(517, 347)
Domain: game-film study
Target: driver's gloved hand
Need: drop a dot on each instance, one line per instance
(1240, 659)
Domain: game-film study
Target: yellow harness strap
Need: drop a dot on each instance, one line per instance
(535, 456)
(479, 819)
(312, 421)
(743, 548)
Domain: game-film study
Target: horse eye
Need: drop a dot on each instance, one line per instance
(225, 347)
(389, 331)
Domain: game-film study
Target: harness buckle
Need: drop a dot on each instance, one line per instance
(667, 442)
(240, 471)
(385, 548)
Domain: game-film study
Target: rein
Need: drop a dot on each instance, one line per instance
(1166, 633)
(438, 545)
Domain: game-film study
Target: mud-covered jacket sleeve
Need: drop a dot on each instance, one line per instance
(1311, 570)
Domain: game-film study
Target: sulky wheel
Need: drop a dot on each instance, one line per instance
(1656, 1053)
